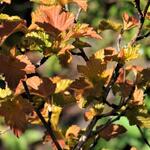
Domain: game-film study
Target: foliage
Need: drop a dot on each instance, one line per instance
(29, 97)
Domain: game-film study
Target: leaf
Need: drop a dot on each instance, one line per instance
(110, 25)
(129, 53)
(73, 131)
(139, 116)
(15, 113)
(43, 87)
(61, 84)
(18, 66)
(105, 54)
(9, 25)
(129, 22)
(52, 19)
(93, 70)
(112, 131)
(55, 114)
(88, 115)
(138, 97)
(82, 30)
(36, 40)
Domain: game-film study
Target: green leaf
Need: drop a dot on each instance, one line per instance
(36, 40)
(5, 17)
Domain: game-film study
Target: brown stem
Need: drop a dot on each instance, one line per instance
(142, 19)
(90, 127)
(143, 36)
(46, 125)
(143, 136)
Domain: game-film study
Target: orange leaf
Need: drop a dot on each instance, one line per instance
(129, 22)
(83, 30)
(52, 18)
(38, 86)
(73, 130)
(138, 97)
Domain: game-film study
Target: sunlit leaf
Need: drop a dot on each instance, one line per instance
(36, 40)
(43, 87)
(129, 53)
(83, 30)
(73, 131)
(88, 115)
(52, 18)
(61, 84)
(138, 97)
(129, 22)
(55, 114)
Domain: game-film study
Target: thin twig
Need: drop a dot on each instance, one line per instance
(143, 136)
(143, 36)
(142, 19)
(81, 53)
(46, 125)
(96, 133)
(138, 7)
(77, 15)
(90, 127)
(84, 137)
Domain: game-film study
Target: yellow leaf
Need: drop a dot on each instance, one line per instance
(73, 130)
(62, 84)
(90, 114)
(56, 111)
(130, 53)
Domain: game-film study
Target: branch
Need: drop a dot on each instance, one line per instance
(90, 127)
(46, 125)
(143, 136)
(143, 36)
(142, 19)
(110, 121)
(77, 15)
(82, 54)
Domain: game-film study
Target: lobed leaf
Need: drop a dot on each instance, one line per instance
(18, 66)
(52, 19)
